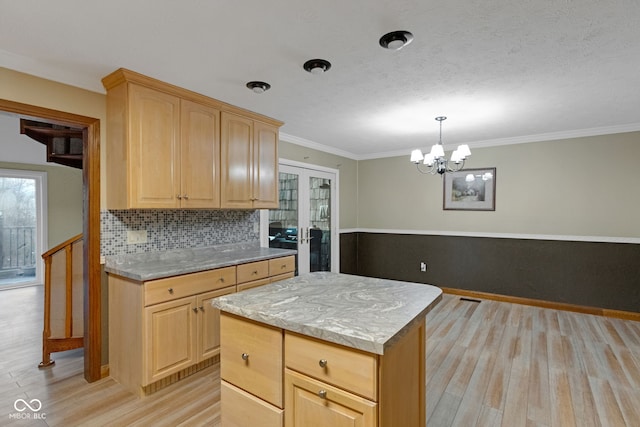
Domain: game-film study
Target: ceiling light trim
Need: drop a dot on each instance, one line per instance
(396, 40)
(317, 66)
(258, 87)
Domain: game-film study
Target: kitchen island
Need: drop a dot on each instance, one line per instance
(325, 348)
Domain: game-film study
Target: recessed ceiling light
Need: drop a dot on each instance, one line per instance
(258, 87)
(396, 40)
(317, 66)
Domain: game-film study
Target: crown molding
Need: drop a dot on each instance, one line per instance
(525, 139)
(317, 146)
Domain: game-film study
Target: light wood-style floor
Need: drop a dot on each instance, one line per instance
(489, 364)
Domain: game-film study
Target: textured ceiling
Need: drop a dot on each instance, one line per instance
(502, 71)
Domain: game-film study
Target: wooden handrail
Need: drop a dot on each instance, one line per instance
(61, 246)
(68, 341)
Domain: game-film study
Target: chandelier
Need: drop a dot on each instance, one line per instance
(435, 160)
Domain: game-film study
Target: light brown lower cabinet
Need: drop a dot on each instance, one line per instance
(310, 402)
(324, 384)
(159, 328)
(244, 409)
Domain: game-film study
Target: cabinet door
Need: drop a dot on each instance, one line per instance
(200, 156)
(154, 152)
(251, 357)
(265, 166)
(236, 171)
(169, 338)
(241, 409)
(312, 403)
(209, 324)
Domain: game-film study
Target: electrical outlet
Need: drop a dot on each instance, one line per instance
(423, 266)
(135, 237)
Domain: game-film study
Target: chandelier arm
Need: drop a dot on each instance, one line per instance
(457, 167)
(431, 170)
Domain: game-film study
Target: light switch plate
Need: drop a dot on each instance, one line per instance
(136, 237)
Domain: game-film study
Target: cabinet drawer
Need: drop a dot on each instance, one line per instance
(313, 403)
(161, 290)
(350, 369)
(253, 271)
(282, 265)
(254, 284)
(251, 357)
(241, 409)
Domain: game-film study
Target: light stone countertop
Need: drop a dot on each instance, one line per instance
(155, 265)
(359, 312)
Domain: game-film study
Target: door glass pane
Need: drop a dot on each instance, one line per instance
(17, 231)
(319, 224)
(283, 222)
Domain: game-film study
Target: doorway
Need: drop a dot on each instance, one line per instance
(307, 219)
(91, 223)
(22, 227)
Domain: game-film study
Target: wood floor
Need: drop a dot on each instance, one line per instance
(489, 364)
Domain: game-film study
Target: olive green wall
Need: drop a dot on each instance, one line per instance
(64, 197)
(348, 176)
(574, 187)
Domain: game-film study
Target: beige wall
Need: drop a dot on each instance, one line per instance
(64, 196)
(348, 176)
(582, 186)
(20, 87)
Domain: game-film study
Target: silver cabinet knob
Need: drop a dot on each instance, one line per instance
(245, 356)
(179, 197)
(322, 394)
(201, 308)
(186, 197)
(170, 290)
(322, 363)
(195, 309)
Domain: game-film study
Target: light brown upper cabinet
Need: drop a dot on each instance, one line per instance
(249, 163)
(164, 148)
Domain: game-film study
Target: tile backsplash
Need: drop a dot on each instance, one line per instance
(175, 229)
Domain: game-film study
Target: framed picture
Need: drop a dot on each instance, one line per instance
(470, 190)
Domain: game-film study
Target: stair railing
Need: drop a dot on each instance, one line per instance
(63, 299)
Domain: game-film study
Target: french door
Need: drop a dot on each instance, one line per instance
(306, 219)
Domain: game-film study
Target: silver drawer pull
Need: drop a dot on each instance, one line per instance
(322, 394)
(322, 363)
(170, 290)
(245, 356)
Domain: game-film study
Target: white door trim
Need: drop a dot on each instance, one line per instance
(335, 209)
(42, 241)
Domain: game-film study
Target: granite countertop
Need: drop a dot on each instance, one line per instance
(359, 312)
(156, 265)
